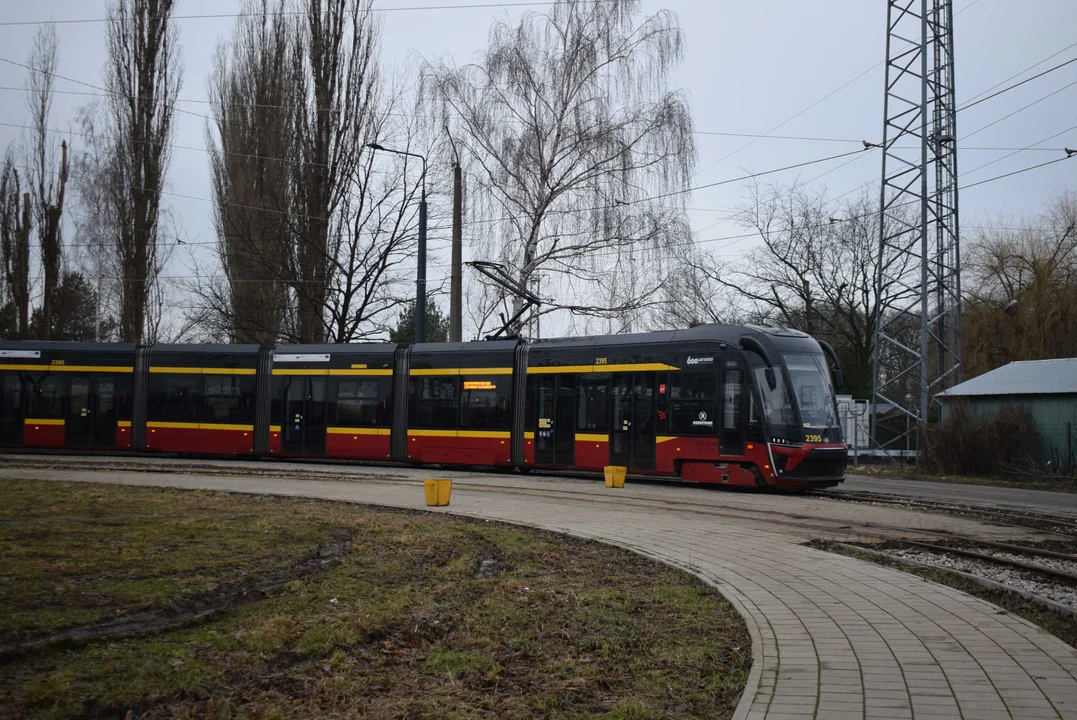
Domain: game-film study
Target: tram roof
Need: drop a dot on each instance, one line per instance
(216, 348)
(372, 348)
(67, 346)
(712, 332)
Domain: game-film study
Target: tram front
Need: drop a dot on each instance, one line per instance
(794, 404)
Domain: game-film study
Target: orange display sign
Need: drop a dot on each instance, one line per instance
(479, 385)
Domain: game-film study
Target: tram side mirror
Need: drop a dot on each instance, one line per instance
(772, 381)
(839, 380)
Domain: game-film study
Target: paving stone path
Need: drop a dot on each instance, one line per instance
(833, 637)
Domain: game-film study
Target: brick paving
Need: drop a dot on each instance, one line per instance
(833, 637)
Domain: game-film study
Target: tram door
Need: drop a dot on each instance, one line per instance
(632, 433)
(555, 434)
(731, 440)
(11, 409)
(303, 424)
(91, 412)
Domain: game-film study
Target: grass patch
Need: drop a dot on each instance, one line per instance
(1064, 627)
(912, 472)
(319, 608)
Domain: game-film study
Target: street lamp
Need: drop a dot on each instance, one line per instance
(420, 277)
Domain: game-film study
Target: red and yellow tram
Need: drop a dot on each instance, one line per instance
(732, 405)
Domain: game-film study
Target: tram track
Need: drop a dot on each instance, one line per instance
(786, 519)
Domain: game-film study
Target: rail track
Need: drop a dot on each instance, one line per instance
(1064, 528)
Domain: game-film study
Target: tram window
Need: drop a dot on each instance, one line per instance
(484, 402)
(593, 400)
(47, 396)
(174, 398)
(276, 405)
(357, 403)
(731, 400)
(225, 400)
(692, 402)
(106, 395)
(433, 402)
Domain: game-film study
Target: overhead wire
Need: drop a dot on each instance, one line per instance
(809, 107)
(377, 9)
(1019, 73)
(1017, 85)
(1021, 109)
(754, 137)
(742, 236)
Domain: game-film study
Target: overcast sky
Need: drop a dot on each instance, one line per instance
(748, 68)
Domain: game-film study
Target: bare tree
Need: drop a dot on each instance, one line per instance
(570, 130)
(15, 226)
(336, 69)
(49, 200)
(370, 267)
(143, 79)
(97, 181)
(314, 236)
(252, 150)
(1019, 303)
(815, 270)
(691, 291)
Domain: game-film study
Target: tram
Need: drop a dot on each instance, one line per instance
(746, 406)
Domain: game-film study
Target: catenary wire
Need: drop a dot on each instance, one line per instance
(1019, 73)
(733, 238)
(378, 9)
(1017, 85)
(809, 107)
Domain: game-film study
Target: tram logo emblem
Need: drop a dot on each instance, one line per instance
(703, 420)
(703, 416)
(699, 360)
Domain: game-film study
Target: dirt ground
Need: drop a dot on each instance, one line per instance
(166, 603)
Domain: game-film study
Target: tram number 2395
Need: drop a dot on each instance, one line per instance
(813, 438)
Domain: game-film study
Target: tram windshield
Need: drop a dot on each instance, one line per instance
(812, 390)
(808, 394)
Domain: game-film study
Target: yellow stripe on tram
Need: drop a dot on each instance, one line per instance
(159, 370)
(501, 434)
(586, 369)
(462, 371)
(71, 368)
(163, 425)
(357, 431)
(43, 421)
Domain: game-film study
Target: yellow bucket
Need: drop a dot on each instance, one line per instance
(437, 491)
(615, 476)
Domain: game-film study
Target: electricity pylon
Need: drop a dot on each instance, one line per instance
(917, 350)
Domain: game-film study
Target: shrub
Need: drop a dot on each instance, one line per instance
(967, 445)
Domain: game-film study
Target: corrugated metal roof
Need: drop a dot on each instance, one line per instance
(1027, 377)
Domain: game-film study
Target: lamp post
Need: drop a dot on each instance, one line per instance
(420, 276)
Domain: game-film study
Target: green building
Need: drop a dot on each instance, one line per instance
(1046, 390)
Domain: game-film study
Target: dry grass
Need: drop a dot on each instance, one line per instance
(315, 609)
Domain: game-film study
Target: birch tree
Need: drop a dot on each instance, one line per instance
(571, 134)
